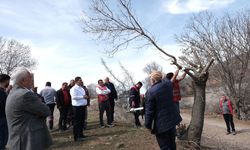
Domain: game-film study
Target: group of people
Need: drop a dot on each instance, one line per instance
(23, 111)
(72, 102)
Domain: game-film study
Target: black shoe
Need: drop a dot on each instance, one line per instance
(83, 136)
(79, 139)
(110, 125)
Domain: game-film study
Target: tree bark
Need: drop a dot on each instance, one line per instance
(197, 120)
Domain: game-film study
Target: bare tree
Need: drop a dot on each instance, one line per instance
(14, 54)
(122, 86)
(124, 83)
(119, 27)
(148, 69)
(91, 88)
(128, 76)
(227, 39)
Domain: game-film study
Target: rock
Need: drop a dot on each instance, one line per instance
(119, 145)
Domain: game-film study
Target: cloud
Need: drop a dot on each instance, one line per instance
(194, 6)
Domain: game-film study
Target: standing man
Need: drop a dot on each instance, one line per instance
(88, 104)
(176, 87)
(79, 103)
(112, 96)
(49, 95)
(134, 101)
(70, 116)
(4, 83)
(161, 115)
(71, 83)
(227, 111)
(26, 115)
(63, 101)
(103, 103)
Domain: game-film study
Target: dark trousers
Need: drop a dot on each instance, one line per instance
(112, 105)
(229, 122)
(137, 121)
(104, 106)
(166, 140)
(51, 117)
(3, 133)
(79, 117)
(177, 104)
(70, 116)
(63, 117)
(85, 118)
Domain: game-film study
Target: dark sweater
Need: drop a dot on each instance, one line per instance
(134, 97)
(113, 93)
(3, 97)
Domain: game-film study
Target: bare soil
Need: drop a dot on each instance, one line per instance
(125, 137)
(214, 132)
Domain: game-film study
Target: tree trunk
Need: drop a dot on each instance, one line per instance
(195, 128)
(238, 109)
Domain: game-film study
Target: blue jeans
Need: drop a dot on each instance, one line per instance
(3, 133)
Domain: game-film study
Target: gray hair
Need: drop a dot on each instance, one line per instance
(19, 74)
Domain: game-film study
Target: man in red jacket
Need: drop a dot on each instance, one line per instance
(134, 101)
(176, 87)
(227, 111)
(63, 102)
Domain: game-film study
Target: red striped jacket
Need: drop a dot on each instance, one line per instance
(229, 105)
(176, 91)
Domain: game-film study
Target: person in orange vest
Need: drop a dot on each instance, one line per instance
(227, 111)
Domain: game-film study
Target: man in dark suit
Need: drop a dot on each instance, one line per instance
(112, 96)
(161, 115)
(26, 115)
(4, 83)
(63, 102)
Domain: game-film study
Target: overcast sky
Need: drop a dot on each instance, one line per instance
(52, 29)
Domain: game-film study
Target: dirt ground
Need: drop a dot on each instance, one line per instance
(214, 132)
(125, 137)
(121, 136)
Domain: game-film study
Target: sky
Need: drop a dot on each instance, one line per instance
(53, 30)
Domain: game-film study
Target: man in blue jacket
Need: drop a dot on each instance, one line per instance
(161, 116)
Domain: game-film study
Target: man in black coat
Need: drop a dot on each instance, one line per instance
(4, 82)
(161, 115)
(63, 102)
(112, 96)
(134, 101)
